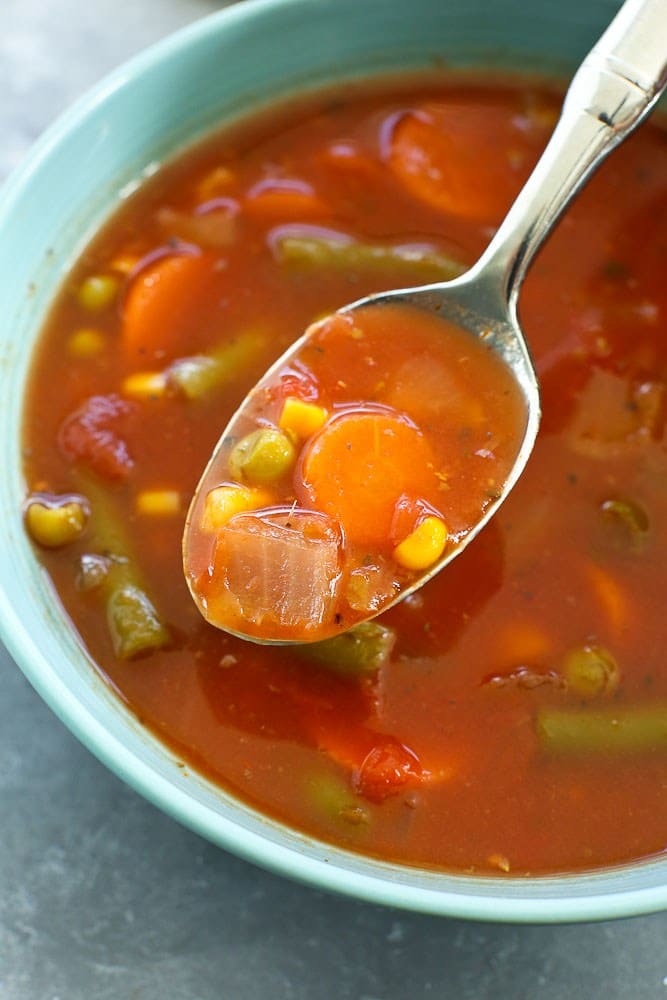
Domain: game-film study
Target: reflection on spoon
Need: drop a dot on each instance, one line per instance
(382, 442)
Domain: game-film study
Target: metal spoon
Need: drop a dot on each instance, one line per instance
(613, 90)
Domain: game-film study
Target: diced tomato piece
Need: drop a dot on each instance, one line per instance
(94, 434)
(297, 382)
(385, 770)
(408, 513)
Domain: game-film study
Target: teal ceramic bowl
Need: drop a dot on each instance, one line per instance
(226, 65)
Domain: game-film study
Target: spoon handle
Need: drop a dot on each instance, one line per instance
(615, 87)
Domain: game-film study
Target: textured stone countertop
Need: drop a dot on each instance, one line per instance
(104, 898)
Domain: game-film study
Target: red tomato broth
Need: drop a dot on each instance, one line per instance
(276, 729)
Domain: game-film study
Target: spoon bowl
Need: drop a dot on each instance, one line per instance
(612, 92)
(474, 303)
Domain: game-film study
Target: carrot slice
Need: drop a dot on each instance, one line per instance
(159, 304)
(349, 165)
(613, 599)
(523, 642)
(359, 466)
(284, 199)
(455, 159)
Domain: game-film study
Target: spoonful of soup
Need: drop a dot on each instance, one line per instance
(376, 449)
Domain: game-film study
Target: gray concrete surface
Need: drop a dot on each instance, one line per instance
(104, 898)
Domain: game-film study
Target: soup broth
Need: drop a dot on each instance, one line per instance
(511, 716)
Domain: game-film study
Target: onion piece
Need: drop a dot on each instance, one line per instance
(279, 565)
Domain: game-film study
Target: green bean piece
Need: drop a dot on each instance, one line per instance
(362, 650)
(262, 457)
(106, 529)
(622, 730)
(626, 522)
(134, 624)
(590, 671)
(307, 253)
(333, 797)
(202, 374)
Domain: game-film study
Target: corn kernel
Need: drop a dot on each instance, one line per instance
(300, 418)
(124, 263)
(424, 545)
(158, 503)
(223, 502)
(97, 292)
(499, 861)
(218, 181)
(145, 385)
(55, 524)
(86, 343)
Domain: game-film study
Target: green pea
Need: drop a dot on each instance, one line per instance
(97, 292)
(590, 671)
(262, 457)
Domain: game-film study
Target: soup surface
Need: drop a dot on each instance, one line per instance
(510, 717)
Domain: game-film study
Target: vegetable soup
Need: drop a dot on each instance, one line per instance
(511, 716)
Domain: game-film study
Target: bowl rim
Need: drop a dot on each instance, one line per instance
(328, 872)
